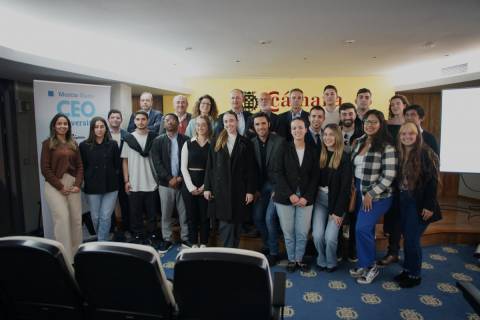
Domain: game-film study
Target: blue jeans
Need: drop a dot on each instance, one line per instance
(365, 227)
(295, 223)
(101, 208)
(324, 232)
(266, 220)
(412, 229)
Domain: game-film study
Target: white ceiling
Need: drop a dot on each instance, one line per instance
(307, 35)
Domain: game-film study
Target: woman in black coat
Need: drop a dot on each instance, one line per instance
(230, 180)
(101, 164)
(296, 177)
(332, 197)
(417, 184)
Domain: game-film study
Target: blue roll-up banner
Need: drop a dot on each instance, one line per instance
(80, 102)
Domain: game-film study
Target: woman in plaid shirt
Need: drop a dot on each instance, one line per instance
(374, 165)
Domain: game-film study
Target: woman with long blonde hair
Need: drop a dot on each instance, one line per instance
(230, 179)
(332, 199)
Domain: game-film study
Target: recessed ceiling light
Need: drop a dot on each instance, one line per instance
(237, 60)
(305, 58)
(374, 57)
(188, 48)
(429, 45)
(349, 42)
(265, 42)
(447, 55)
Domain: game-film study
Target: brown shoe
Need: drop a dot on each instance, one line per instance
(388, 259)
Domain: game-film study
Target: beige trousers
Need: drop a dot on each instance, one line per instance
(66, 214)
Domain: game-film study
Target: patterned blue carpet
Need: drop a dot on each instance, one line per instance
(320, 295)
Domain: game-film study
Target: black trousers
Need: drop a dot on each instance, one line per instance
(197, 217)
(141, 202)
(229, 234)
(124, 206)
(392, 227)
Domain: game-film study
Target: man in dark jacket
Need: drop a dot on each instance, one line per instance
(267, 147)
(296, 111)
(166, 150)
(416, 114)
(236, 103)
(154, 116)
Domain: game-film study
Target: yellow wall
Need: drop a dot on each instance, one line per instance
(312, 87)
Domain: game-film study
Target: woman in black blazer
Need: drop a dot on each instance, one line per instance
(101, 163)
(417, 185)
(333, 195)
(230, 180)
(296, 177)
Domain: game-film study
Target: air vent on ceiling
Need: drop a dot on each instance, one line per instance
(457, 69)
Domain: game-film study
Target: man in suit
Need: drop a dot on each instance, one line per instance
(416, 114)
(154, 116)
(267, 147)
(236, 104)
(314, 134)
(296, 111)
(265, 104)
(118, 134)
(180, 105)
(166, 151)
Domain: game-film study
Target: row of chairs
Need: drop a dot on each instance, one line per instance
(113, 281)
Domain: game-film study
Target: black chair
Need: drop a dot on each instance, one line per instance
(36, 280)
(222, 283)
(123, 281)
(471, 294)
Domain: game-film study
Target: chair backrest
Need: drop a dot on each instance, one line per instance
(123, 281)
(36, 279)
(222, 283)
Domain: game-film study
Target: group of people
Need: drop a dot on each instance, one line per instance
(292, 173)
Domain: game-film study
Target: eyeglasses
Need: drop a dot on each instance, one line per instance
(370, 122)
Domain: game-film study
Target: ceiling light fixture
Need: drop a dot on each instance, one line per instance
(429, 45)
(348, 42)
(237, 60)
(265, 42)
(188, 48)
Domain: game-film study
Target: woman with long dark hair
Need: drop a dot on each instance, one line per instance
(230, 179)
(417, 184)
(101, 163)
(61, 165)
(204, 106)
(194, 162)
(296, 178)
(374, 165)
(332, 197)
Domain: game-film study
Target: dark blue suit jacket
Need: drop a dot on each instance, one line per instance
(154, 121)
(284, 123)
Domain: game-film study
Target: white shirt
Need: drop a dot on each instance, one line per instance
(139, 170)
(331, 117)
(300, 154)
(231, 143)
(359, 163)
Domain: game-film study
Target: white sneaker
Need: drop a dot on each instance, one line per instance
(203, 246)
(369, 276)
(358, 272)
(195, 246)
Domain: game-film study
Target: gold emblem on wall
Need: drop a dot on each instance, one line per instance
(447, 287)
(430, 301)
(346, 313)
(371, 298)
(438, 257)
(449, 250)
(390, 286)
(288, 312)
(461, 276)
(309, 274)
(410, 314)
(427, 266)
(472, 267)
(337, 285)
(312, 297)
